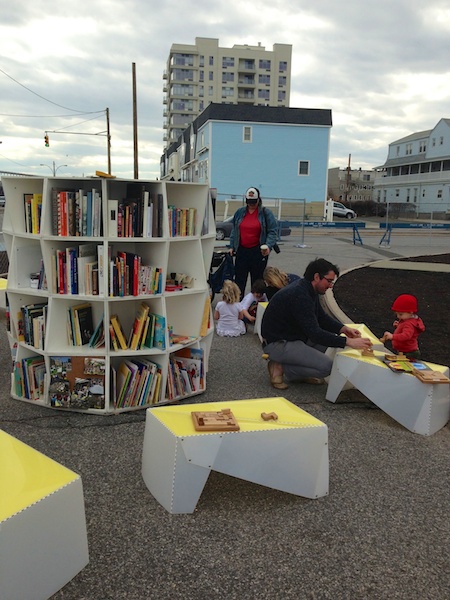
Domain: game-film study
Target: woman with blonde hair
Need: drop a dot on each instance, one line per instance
(228, 312)
(276, 280)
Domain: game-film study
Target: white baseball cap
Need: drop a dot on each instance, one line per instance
(251, 193)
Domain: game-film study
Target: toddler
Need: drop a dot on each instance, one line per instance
(408, 326)
(249, 303)
(228, 311)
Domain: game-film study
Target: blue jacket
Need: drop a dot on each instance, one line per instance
(269, 233)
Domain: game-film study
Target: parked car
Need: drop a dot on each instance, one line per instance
(2, 200)
(223, 229)
(339, 210)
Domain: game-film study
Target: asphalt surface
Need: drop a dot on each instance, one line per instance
(382, 532)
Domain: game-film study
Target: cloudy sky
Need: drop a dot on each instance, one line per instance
(381, 66)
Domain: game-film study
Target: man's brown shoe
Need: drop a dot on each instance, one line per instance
(313, 380)
(276, 380)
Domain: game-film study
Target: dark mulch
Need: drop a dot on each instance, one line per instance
(366, 295)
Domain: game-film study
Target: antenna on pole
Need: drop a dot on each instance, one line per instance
(135, 137)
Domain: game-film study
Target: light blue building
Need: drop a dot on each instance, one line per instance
(416, 174)
(282, 151)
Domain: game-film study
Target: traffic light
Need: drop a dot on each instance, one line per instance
(46, 141)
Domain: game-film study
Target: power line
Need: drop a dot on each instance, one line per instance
(43, 98)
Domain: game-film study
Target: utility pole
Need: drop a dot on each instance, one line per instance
(135, 136)
(347, 180)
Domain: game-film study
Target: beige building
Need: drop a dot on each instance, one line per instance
(350, 185)
(204, 72)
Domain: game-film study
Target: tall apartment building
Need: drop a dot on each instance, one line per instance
(199, 74)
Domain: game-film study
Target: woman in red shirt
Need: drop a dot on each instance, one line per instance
(254, 235)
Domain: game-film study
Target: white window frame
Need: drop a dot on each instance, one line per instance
(300, 163)
(247, 134)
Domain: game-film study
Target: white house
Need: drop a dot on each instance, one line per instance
(416, 174)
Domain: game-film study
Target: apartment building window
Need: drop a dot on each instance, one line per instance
(201, 61)
(226, 77)
(281, 95)
(183, 60)
(247, 134)
(227, 61)
(384, 196)
(201, 104)
(211, 61)
(439, 193)
(408, 149)
(264, 63)
(446, 165)
(264, 79)
(210, 90)
(182, 75)
(422, 146)
(378, 195)
(436, 166)
(264, 94)
(414, 169)
(303, 167)
(398, 150)
(415, 195)
(201, 76)
(407, 194)
(178, 104)
(248, 65)
(211, 76)
(282, 80)
(282, 67)
(182, 90)
(397, 193)
(201, 91)
(425, 167)
(441, 140)
(366, 177)
(227, 91)
(423, 193)
(433, 142)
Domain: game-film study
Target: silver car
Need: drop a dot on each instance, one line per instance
(339, 210)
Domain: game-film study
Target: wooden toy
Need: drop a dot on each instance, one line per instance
(269, 416)
(367, 352)
(223, 420)
(430, 376)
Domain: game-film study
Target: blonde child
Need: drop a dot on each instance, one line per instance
(228, 312)
(408, 326)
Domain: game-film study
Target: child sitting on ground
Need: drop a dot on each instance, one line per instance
(228, 312)
(249, 303)
(408, 326)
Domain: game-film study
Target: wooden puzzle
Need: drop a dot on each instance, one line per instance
(223, 420)
(367, 352)
(430, 376)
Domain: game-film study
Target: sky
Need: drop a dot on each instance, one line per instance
(381, 66)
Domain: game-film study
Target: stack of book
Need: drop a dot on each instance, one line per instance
(185, 376)
(137, 215)
(78, 270)
(29, 376)
(129, 277)
(148, 331)
(80, 324)
(137, 382)
(33, 208)
(77, 213)
(31, 323)
(181, 221)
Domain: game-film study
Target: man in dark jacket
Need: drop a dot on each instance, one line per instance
(297, 331)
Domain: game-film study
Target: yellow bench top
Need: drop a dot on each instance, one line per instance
(246, 412)
(27, 476)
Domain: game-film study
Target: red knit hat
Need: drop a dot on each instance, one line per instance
(405, 303)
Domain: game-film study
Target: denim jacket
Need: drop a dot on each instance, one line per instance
(269, 233)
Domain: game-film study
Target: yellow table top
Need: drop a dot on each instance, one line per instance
(379, 356)
(26, 476)
(365, 332)
(247, 413)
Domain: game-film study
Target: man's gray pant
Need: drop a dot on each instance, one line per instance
(300, 359)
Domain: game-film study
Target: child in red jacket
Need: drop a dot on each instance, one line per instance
(408, 326)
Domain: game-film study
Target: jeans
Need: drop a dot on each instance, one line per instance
(249, 261)
(300, 359)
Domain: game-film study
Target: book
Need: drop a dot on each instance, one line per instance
(77, 382)
(148, 340)
(159, 339)
(113, 209)
(138, 326)
(118, 331)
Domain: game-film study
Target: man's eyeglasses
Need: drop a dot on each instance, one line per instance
(330, 281)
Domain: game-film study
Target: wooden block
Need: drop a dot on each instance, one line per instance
(269, 416)
(223, 420)
(367, 352)
(430, 376)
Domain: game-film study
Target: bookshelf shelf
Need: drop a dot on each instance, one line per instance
(87, 252)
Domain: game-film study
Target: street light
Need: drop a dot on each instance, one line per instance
(54, 169)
